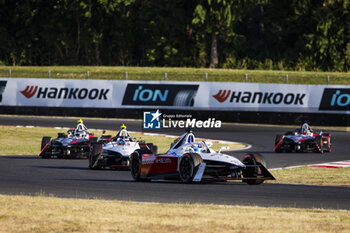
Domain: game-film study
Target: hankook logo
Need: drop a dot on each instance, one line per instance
(29, 91)
(160, 94)
(64, 93)
(259, 97)
(222, 95)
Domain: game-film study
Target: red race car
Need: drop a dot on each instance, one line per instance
(192, 161)
(303, 140)
(75, 144)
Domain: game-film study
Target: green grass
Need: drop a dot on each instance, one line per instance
(313, 176)
(175, 74)
(27, 141)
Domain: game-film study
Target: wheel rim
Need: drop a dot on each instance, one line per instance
(186, 169)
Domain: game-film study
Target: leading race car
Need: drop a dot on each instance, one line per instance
(114, 152)
(75, 144)
(303, 140)
(192, 161)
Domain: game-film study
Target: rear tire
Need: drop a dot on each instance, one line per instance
(329, 144)
(251, 172)
(325, 142)
(135, 164)
(95, 155)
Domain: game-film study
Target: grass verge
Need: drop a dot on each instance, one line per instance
(24, 141)
(175, 74)
(312, 176)
(48, 214)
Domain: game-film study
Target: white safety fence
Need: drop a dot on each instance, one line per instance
(219, 96)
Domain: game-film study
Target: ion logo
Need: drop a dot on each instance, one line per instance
(222, 95)
(29, 91)
(2, 88)
(145, 95)
(160, 94)
(151, 120)
(335, 99)
(340, 99)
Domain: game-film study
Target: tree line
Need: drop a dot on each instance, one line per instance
(239, 34)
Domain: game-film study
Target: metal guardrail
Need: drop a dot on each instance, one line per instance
(126, 76)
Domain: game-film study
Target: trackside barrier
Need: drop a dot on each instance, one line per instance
(256, 102)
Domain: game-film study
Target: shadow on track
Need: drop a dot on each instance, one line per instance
(62, 167)
(99, 180)
(21, 156)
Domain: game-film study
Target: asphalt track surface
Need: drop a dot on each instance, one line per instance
(30, 175)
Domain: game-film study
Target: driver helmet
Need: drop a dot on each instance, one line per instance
(305, 129)
(197, 148)
(80, 127)
(122, 143)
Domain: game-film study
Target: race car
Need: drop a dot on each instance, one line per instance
(75, 144)
(192, 161)
(114, 152)
(303, 140)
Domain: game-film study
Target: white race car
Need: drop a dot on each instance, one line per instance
(192, 161)
(114, 152)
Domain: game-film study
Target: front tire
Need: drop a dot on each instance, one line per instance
(254, 171)
(188, 167)
(319, 143)
(95, 155)
(45, 143)
(278, 139)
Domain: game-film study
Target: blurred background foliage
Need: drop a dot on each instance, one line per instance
(309, 35)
